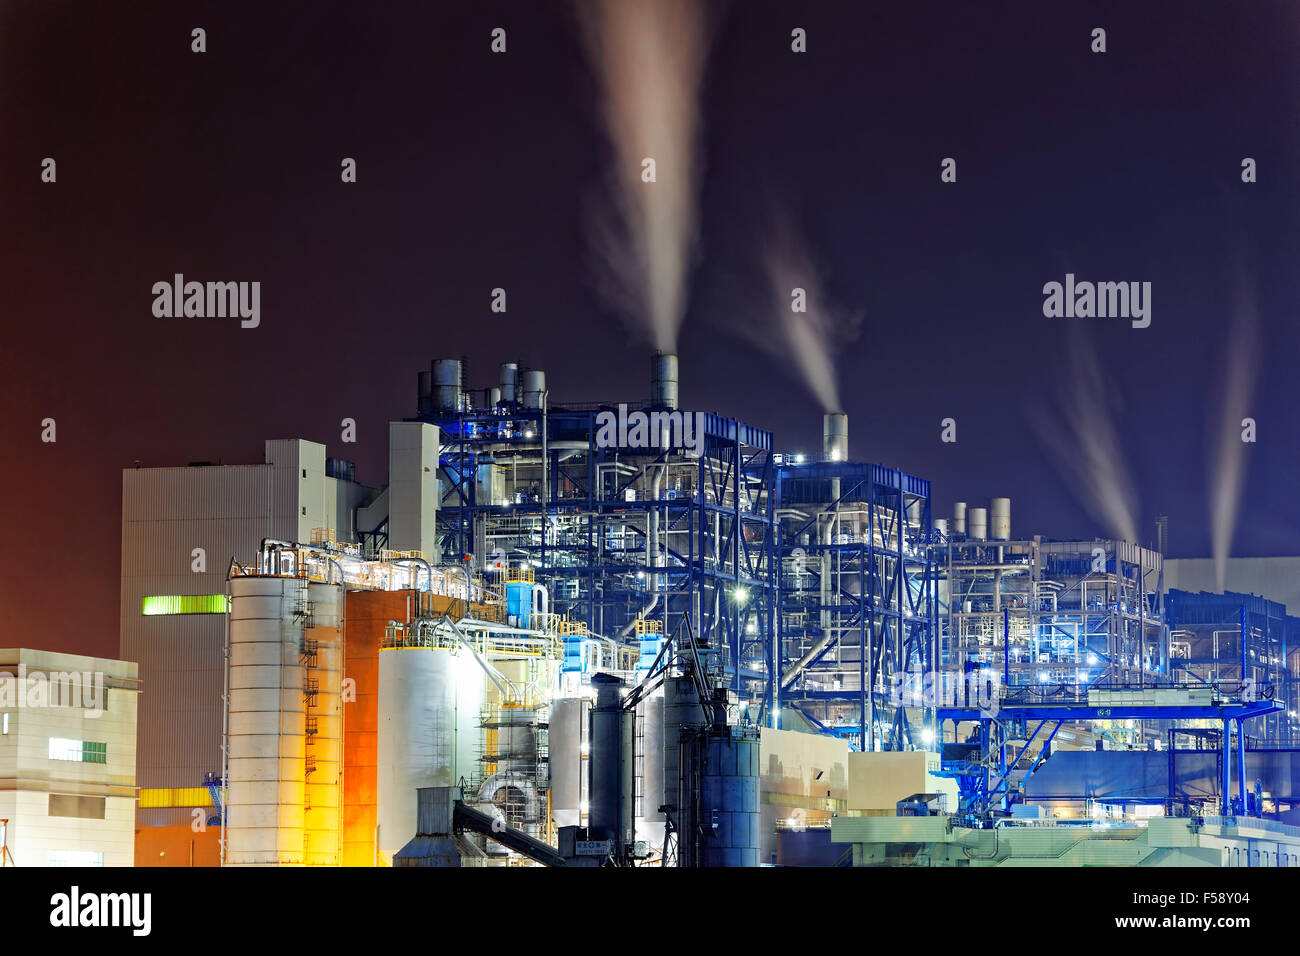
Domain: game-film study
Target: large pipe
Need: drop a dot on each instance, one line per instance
(447, 385)
(959, 517)
(663, 380)
(835, 436)
(1000, 519)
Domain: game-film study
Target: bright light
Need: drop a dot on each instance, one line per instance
(528, 433)
(1092, 659)
(586, 749)
(1044, 678)
(927, 736)
(740, 595)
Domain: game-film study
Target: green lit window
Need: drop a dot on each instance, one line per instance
(80, 751)
(185, 604)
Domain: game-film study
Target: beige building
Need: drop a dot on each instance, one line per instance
(67, 759)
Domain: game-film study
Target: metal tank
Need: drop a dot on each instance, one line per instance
(447, 385)
(682, 712)
(663, 380)
(566, 760)
(959, 517)
(979, 524)
(612, 765)
(323, 693)
(509, 383)
(267, 723)
(1000, 519)
(941, 526)
(724, 761)
(534, 387)
(650, 770)
(835, 436)
(417, 739)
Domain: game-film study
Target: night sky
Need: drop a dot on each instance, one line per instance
(478, 171)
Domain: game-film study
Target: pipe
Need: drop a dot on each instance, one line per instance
(428, 570)
(651, 553)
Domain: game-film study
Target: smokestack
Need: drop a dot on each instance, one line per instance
(1000, 519)
(425, 393)
(959, 517)
(835, 436)
(509, 379)
(446, 385)
(979, 523)
(663, 380)
(534, 386)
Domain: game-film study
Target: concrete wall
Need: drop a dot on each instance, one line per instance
(802, 777)
(93, 806)
(226, 510)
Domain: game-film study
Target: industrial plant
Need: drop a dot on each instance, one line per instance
(552, 642)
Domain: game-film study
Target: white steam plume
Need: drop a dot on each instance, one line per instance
(649, 57)
(1084, 443)
(1228, 465)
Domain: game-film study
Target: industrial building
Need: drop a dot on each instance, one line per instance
(67, 759)
(628, 634)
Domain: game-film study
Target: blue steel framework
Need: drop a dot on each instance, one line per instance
(856, 596)
(986, 787)
(621, 534)
(1206, 646)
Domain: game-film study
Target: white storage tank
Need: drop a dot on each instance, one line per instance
(979, 524)
(267, 723)
(323, 657)
(959, 517)
(421, 691)
(566, 760)
(650, 770)
(1000, 519)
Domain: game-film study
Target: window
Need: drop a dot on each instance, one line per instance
(304, 511)
(184, 604)
(80, 751)
(73, 858)
(304, 472)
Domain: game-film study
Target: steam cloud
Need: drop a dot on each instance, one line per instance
(810, 336)
(649, 57)
(1087, 451)
(1228, 464)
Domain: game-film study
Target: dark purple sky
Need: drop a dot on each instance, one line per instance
(478, 171)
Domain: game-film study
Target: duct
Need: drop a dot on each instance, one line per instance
(427, 570)
(512, 779)
(541, 600)
(651, 554)
(503, 684)
(663, 380)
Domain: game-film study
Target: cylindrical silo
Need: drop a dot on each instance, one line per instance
(663, 380)
(1000, 519)
(566, 760)
(612, 764)
(416, 724)
(728, 815)
(941, 526)
(509, 382)
(835, 436)
(959, 517)
(650, 770)
(682, 711)
(979, 524)
(492, 397)
(447, 384)
(534, 388)
(267, 723)
(323, 656)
